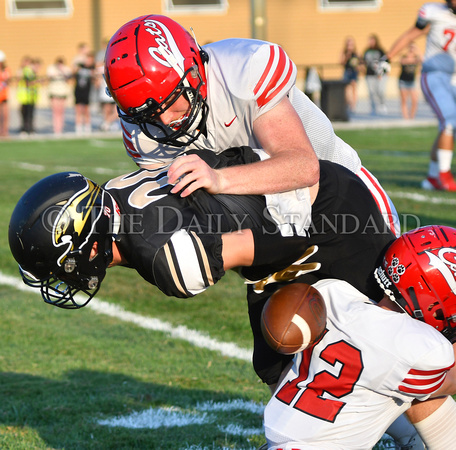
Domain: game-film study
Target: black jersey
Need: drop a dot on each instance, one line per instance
(351, 236)
(175, 243)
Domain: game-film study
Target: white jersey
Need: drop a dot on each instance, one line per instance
(245, 79)
(364, 373)
(440, 54)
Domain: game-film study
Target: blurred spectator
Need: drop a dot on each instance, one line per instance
(313, 83)
(58, 76)
(376, 80)
(410, 62)
(107, 104)
(84, 79)
(27, 93)
(83, 50)
(349, 59)
(5, 76)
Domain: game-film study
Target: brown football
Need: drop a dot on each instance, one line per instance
(293, 318)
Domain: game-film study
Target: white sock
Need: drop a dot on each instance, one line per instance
(433, 169)
(444, 158)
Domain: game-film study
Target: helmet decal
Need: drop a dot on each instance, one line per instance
(167, 52)
(445, 263)
(395, 270)
(75, 214)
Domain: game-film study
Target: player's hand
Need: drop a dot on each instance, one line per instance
(384, 66)
(189, 173)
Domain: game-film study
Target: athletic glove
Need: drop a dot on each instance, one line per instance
(383, 66)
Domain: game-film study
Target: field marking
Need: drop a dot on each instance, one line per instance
(169, 416)
(422, 198)
(41, 168)
(201, 414)
(32, 167)
(194, 337)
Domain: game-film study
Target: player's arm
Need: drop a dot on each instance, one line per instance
(292, 164)
(238, 249)
(406, 38)
(189, 262)
(434, 420)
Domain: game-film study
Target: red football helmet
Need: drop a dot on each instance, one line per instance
(419, 274)
(150, 62)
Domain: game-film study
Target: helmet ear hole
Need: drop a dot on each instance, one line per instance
(439, 315)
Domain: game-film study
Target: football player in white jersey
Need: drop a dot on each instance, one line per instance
(373, 361)
(438, 83)
(174, 96)
(183, 245)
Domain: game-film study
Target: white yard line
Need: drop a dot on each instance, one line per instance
(422, 198)
(171, 416)
(194, 337)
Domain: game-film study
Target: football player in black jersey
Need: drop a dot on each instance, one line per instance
(66, 231)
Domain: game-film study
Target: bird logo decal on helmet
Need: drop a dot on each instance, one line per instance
(73, 219)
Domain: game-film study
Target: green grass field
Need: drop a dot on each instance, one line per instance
(87, 379)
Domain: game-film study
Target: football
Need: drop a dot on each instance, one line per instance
(293, 318)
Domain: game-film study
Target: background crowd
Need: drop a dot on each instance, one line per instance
(368, 63)
(78, 84)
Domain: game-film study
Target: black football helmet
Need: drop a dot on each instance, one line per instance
(51, 234)
(451, 7)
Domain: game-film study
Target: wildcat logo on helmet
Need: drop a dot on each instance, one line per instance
(74, 217)
(445, 262)
(167, 52)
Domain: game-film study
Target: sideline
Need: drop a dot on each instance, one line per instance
(193, 337)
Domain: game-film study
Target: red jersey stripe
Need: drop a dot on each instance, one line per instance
(278, 64)
(422, 381)
(429, 372)
(429, 390)
(124, 130)
(266, 71)
(385, 201)
(269, 95)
